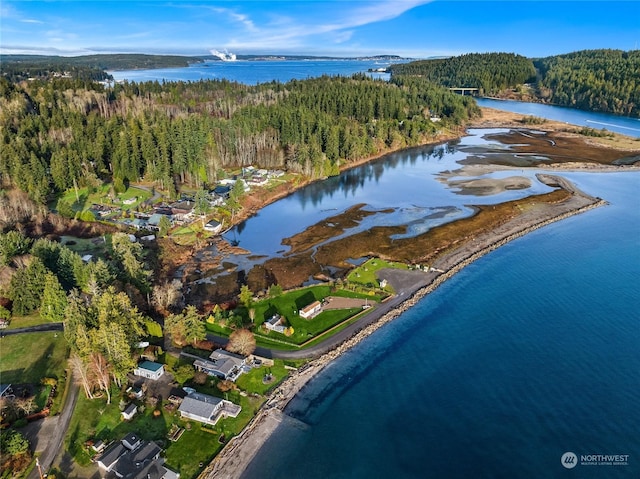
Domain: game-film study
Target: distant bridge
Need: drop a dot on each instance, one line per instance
(463, 90)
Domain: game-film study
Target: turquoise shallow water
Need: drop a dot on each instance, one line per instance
(532, 351)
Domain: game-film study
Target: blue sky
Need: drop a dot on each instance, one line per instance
(412, 28)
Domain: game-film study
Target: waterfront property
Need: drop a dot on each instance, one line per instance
(149, 370)
(213, 226)
(311, 311)
(207, 409)
(223, 364)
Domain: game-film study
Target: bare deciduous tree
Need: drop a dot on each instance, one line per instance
(166, 294)
(82, 376)
(101, 370)
(242, 342)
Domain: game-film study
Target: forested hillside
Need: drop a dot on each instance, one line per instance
(61, 133)
(490, 72)
(597, 80)
(21, 67)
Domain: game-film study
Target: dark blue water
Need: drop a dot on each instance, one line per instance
(532, 351)
(253, 72)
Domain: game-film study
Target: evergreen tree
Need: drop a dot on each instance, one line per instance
(54, 299)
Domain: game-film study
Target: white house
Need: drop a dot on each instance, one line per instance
(274, 323)
(129, 412)
(311, 310)
(149, 370)
(213, 226)
(207, 409)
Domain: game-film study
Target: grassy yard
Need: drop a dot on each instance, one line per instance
(26, 321)
(287, 305)
(365, 274)
(94, 419)
(95, 246)
(27, 358)
(86, 197)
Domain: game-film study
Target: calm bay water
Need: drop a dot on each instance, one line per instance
(253, 72)
(530, 352)
(598, 121)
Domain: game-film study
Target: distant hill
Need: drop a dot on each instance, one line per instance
(594, 80)
(94, 67)
(489, 72)
(86, 67)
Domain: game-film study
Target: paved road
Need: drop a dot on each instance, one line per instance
(53, 430)
(33, 329)
(405, 283)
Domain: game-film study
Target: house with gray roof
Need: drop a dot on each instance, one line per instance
(274, 323)
(129, 412)
(153, 223)
(133, 458)
(207, 409)
(225, 365)
(6, 390)
(110, 456)
(133, 463)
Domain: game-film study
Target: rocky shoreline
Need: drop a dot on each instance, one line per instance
(231, 462)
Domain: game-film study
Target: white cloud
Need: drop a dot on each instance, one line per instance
(241, 18)
(31, 20)
(334, 25)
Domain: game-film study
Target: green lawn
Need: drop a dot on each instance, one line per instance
(94, 419)
(251, 382)
(365, 274)
(100, 195)
(82, 246)
(287, 305)
(26, 321)
(29, 357)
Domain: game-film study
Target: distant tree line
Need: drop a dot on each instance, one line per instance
(595, 80)
(68, 132)
(489, 72)
(21, 67)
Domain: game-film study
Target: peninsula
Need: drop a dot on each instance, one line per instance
(413, 286)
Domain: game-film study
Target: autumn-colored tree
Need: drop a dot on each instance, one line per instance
(242, 342)
(245, 296)
(226, 385)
